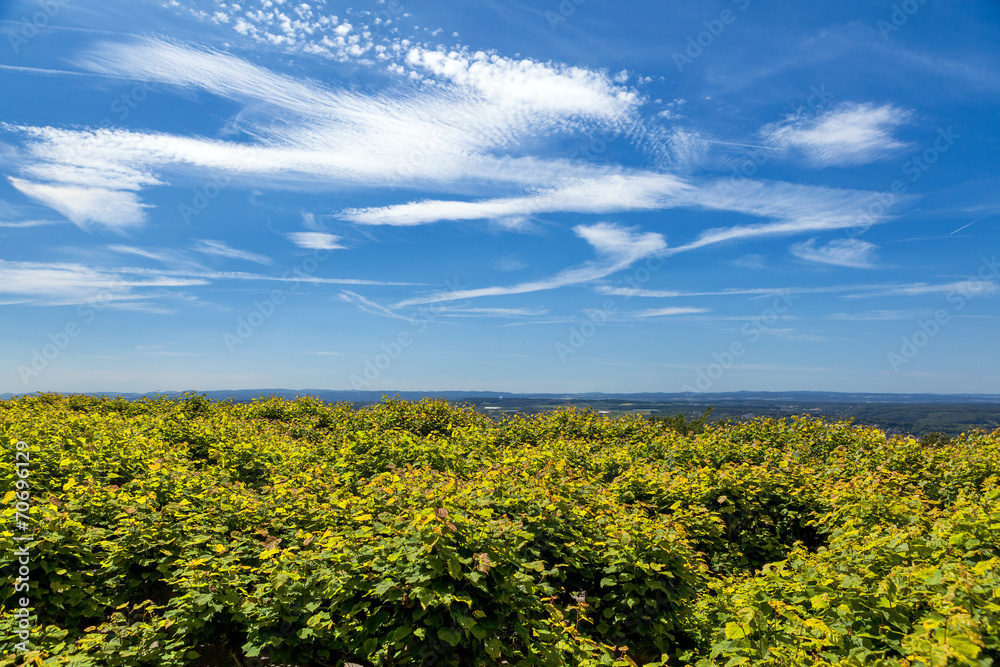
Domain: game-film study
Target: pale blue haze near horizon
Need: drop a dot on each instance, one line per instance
(568, 196)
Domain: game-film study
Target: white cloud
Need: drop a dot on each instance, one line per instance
(671, 110)
(911, 314)
(853, 253)
(543, 87)
(750, 262)
(457, 135)
(308, 134)
(293, 276)
(28, 223)
(222, 249)
(669, 294)
(617, 247)
(848, 134)
(117, 209)
(451, 311)
(792, 208)
(796, 208)
(167, 256)
(620, 244)
(70, 283)
(371, 306)
(55, 283)
(614, 192)
(635, 291)
(663, 312)
(316, 240)
(291, 28)
(965, 288)
(509, 264)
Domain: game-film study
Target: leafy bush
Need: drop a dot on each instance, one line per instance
(185, 531)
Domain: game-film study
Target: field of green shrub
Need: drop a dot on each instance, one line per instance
(191, 532)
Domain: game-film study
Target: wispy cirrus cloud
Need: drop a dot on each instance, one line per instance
(55, 284)
(453, 311)
(119, 209)
(668, 294)
(884, 315)
(316, 240)
(790, 208)
(617, 248)
(370, 306)
(223, 249)
(168, 256)
(69, 283)
(463, 134)
(965, 288)
(24, 224)
(527, 84)
(664, 312)
(849, 134)
(307, 133)
(852, 253)
(367, 38)
(613, 193)
(753, 261)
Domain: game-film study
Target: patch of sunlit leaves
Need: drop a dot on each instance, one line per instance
(424, 533)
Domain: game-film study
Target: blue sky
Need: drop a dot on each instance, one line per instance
(517, 196)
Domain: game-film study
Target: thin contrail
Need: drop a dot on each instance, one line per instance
(71, 28)
(732, 143)
(58, 72)
(972, 223)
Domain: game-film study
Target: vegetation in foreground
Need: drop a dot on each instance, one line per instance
(181, 532)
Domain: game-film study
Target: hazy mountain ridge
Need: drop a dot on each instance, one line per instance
(333, 396)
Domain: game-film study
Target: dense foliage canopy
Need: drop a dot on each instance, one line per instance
(176, 532)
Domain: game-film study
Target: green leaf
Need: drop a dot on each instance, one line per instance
(399, 634)
(453, 637)
(735, 631)
(963, 646)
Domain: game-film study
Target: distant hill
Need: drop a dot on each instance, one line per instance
(719, 398)
(916, 414)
